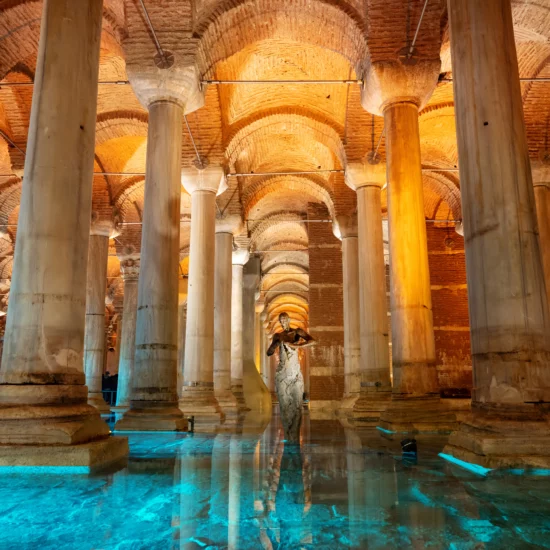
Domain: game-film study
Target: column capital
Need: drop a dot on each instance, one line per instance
(344, 227)
(363, 174)
(233, 223)
(177, 84)
(209, 178)
(240, 256)
(104, 226)
(130, 269)
(541, 173)
(388, 82)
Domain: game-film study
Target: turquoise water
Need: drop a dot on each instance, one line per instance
(339, 489)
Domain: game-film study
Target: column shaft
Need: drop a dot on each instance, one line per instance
(375, 371)
(94, 336)
(222, 323)
(542, 200)
(182, 329)
(198, 391)
(237, 334)
(128, 341)
(508, 313)
(413, 344)
(153, 404)
(42, 384)
(352, 342)
(509, 319)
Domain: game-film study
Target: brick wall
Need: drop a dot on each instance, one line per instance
(450, 309)
(326, 316)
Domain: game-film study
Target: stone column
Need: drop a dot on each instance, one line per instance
(398, 91)
(541, 183)
(94, 332)
(346, 231)
(44, 415)
(222, 322)
(367, 180)
(198, 387)
(258, 329)
(154, 400)
(240, 257)
(263, 347)
(182, 327)
(129, 268)
(509, 318)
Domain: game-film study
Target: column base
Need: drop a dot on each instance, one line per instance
(96, 400)
(237, 390)
(83, 457)
(494, 442)
(229, 406)
(369, 406)
(417, 415)
(200, 402)
(152, 417)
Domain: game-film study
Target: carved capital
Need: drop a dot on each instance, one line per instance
(105, 226)
(210, 178)
(359, 174)
(232, 223)
(240, 256)
(388, 82)
(344, 227)
(130, 269)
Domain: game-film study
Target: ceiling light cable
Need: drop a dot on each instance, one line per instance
(411, 49)
(160, 51)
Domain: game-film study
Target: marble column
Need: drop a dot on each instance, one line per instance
(346, 231)
(94, 332)
(198, 387)
(240, 257)
(129, 268)
(541, 183)
(182, 328)
(44, 415)
(263, 348)
(367, 180)
(222, 322)
(154, 399)
(258, 329)
(398, 91)
(509, 318)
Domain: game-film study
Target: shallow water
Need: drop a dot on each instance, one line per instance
(339, 489)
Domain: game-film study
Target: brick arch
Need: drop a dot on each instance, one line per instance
(271, 232)
(21, 19)
(298, 20)
(263, 129)
(448, 191)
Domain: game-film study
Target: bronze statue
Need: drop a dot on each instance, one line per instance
(289, 381)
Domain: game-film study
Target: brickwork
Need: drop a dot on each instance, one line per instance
(326, 316)
(450, 309)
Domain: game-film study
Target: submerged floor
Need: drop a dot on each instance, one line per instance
(340, 489)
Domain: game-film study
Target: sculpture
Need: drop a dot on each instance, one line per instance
(289, 382)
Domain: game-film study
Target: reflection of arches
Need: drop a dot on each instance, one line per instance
(342, 29)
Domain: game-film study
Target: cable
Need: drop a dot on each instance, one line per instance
(411, 49)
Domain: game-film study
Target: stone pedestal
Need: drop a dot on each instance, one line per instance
(197, 398)
(509, 318)
(130, 272)
(222, 325)
(240, 257)
(397, 91)
(375, 392)
(346, 230)
(153, 397)
(94, 335)
(44, 415)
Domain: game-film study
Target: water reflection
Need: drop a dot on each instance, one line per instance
(337, 488)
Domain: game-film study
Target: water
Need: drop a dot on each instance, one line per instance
(340, 489)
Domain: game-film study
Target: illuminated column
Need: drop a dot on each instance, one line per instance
(44, 415)
(94, 333)
(509, 318)
(129, 268)
(240, 257)
(258, 329)
(367, 180)
(541, 182)
(222, 320)
(263, 347)
(346, 230)
(397, 91)
(154, 398)
(198, 387)
(182, 323)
